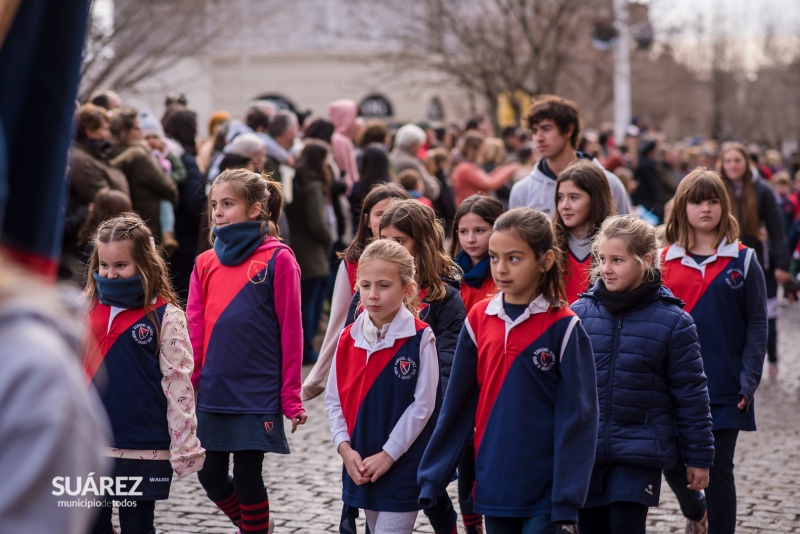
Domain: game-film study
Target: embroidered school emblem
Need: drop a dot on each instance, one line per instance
(543, 359)
(734, 278)
(142, 333)
(404, 368)
(268, 426)
(257, 272)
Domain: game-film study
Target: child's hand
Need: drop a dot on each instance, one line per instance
(742, 403)
(352, 463)
(299, 420)
(697, 477)
(377, 465)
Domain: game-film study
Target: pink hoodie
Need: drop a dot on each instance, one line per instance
(343, 115)
(213, 287)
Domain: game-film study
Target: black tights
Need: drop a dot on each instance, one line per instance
(246, 486)
(137, 519)
(627, 517)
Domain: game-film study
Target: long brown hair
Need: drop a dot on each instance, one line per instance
(587, 177)
(107, 203)
(744, 206)
(699, 185)
(534, 228)
(364, 235)
(394, 253)
(487, 208)
(252, 187)
(418, 221)
(150, 265)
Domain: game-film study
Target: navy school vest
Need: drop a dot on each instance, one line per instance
(373, 398)
(123, 364)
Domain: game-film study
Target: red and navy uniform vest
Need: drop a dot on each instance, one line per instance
(526, 368)
(576, 275)
(242, 371)
(534, 413)
(352, 274)
(473, 295)
(123, 364)
(720, 305)
(373, 398)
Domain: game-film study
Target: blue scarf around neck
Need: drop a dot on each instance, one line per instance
(235, 242)
(473, 276)
(120, 292)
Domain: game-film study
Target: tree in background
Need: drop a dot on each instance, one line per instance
(144, 38)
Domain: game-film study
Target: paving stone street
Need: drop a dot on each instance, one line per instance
(305, 487)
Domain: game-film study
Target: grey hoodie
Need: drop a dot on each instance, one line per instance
(538, 190)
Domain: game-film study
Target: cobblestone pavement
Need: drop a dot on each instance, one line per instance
(305, 487)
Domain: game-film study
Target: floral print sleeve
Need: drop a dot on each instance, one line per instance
(177, 362)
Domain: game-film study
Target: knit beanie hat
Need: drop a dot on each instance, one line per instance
(150, 125)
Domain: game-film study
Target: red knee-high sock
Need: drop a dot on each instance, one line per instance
(230, 507)
(472, 522)
(255, 518)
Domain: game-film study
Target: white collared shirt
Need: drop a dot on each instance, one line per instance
(417, 414)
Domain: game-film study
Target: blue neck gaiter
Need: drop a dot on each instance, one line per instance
(473, 276)
(120, 292)
(235, 242)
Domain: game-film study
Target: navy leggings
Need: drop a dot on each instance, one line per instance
(720, 495)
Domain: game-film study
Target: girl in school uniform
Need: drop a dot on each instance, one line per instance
(523, 380)
(414, 226)
(583, 201)
(723, 286)
(382, 392)
(246, 330)
(375, 203)
(650, 381)
(139, 349)
(469, 246)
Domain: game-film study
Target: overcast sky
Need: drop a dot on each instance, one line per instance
(738, 16)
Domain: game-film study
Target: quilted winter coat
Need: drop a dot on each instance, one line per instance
(650, 382)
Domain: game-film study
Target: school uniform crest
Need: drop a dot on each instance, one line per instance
(405, 368)
(142, 333)
(268, 426)
(543, 359)
(734, 278)
(257, 272)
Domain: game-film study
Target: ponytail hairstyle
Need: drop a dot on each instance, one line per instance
(533, 227)
(252, 188)
(487, 208)
(394, 253)
(745, 211)
(640, 241)
(418, 221)
(149, 263)
(700, 185)
(364, 235)
(590, 178)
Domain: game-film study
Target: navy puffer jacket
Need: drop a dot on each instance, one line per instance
(650, 383)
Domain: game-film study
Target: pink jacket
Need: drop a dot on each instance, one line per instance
(343, 115)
